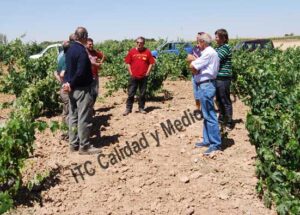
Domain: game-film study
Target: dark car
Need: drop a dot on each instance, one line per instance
(173, 48)
(252, 45)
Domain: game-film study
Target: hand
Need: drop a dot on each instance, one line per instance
(61, 76)
(190, 58)
(193, 70)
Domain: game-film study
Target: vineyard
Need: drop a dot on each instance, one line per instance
(268, 82)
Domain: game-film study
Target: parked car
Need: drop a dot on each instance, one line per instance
(172, 48)
(252, 45)
(56, 48)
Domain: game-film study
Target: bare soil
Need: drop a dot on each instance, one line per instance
(4, 113)
(287, 43)
(172, 178)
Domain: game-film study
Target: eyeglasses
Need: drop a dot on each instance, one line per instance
(139, 42)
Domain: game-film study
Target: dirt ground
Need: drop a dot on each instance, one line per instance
(165, 177)
(288, 43)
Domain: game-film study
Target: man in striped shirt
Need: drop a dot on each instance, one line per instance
(224, 79)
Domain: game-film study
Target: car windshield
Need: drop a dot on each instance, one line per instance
(166, 46)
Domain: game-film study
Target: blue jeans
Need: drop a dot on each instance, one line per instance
(211, 131)
(196, 89)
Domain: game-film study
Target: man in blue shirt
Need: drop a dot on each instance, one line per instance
(78, 79)
(64, 96)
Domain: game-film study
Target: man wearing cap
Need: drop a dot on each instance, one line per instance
(205, 69)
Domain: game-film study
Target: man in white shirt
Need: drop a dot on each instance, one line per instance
(205, 70)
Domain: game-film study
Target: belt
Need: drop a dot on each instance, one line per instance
(206, 81)
(223, 78)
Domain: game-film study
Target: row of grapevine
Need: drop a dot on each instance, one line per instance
(269, 82)
(33, 84)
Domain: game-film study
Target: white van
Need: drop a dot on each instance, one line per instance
(57, 48)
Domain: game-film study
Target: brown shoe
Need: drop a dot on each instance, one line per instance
(90, 150)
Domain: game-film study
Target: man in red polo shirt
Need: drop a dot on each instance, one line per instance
(139, 62)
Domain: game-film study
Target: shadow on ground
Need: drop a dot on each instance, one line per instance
(151, 108)
(104, 109)
(99, 123)
(227, 143)
(31, 194)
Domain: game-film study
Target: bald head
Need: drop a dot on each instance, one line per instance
(81, 34)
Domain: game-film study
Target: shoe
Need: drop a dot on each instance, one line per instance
(229, 126)
(199, 145)
(74, 148)
(210, 150)
(221, 119)
(198, 112)
(90, 150)
(126, 112)
(142, 110)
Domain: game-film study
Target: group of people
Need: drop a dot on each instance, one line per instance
(78, 72)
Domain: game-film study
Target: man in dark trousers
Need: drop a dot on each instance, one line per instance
(78, 80)
(224, 77)
(139, 62)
